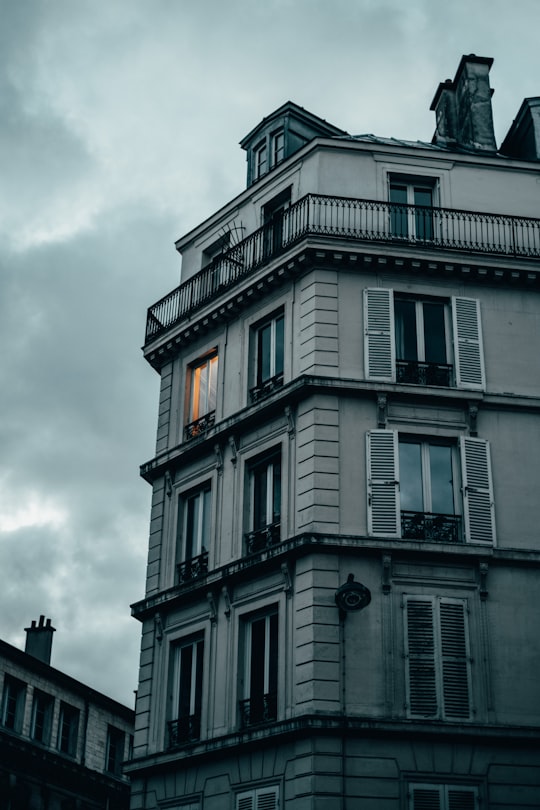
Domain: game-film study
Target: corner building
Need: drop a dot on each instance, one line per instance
(342, 603)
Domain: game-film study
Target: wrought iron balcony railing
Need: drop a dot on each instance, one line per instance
(262, 539)
(184, 730)
(199, 426)
(266, 388)
(419, 373)
(348, 218)
(192, 569)
(431, 527)
(257, 710)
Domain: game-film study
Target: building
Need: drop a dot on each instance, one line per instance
(342, 607)
(62, 744)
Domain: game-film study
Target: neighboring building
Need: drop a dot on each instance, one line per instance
(342, 603)
(62, 744)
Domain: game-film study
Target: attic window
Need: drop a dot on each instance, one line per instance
(277, 147)
(261, 160)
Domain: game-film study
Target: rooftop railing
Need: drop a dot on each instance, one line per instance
(347, 218)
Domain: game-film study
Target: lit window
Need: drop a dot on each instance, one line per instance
(194, 529)
(186, 696)
(261, 670)
(13, 704)
(261, 160)
(437, 656)
(265, 484)
(68, 727)
(277, 144)
(411, 211)
(202, 396)
(115, 751)
(42, 709)
(269, 357)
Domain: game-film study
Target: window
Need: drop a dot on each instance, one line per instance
(277, 147)
(42, 710)
(264, 798)
(275, 222)
(194, 515)
(68, 727)
(428, 472)
(442, 797)
(186, 698)
(411, 210)
(202, 396)
(261, 669)
(265, 485)
(408, 340)
(13, 704)
(261, 161)
(115, 751)
(411, 478)
(268, 357)
(438, 679)
(421, 331)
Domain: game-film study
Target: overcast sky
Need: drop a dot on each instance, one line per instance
(119, 130)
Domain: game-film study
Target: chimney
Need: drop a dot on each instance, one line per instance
(39, 639)
(463, 107)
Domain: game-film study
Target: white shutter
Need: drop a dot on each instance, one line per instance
(454, 660)
(426, 797)
(442, 797)
(468, 348)
(383, 483)
(244, 801)
(478, 507)
(421, 678)
(379, 343)
(264, 798)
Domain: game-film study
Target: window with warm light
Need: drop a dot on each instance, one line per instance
(202, 396)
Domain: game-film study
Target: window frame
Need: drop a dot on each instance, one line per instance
(68, 716)
(115, 750)
(265, 469)
(277, 149)
(260, 159)
(193, 543)
(186, 727)
(200, 416)
(259, 706)
(265, 384)
(41, 728)
(415, 223)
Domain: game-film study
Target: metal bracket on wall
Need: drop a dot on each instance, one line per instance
(382, 410)
(483, 569)
(386, 573)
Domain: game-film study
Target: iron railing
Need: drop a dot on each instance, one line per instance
(257, 710)
(347, 218)
(199, 426)
(432, 527)
(264, 389)
(262, 539)
(419, 373)
(184, 730)
(192, 569)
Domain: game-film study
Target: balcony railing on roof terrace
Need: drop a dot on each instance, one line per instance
(343, 217)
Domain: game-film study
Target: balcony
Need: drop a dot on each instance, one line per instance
(199, 426)
(263, 539)
(266, 388)
(262, 709)
(184, 730)
(366, 221)
(414, 372)
(192, 569)
(431, 527)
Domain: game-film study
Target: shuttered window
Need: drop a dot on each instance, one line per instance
(385, 500)
(381, 313)
(265, 798)
(437, 658)
(442, 797)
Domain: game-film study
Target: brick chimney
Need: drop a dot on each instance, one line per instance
(39, 639)
(463, 107)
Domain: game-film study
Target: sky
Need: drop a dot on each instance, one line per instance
(119, 130)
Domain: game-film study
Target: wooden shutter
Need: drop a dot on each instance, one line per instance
(420, 651)
(468, 348)
(442, 797)
(454, 660)
(426, 797)
(379, 344)
(383, 483)
(244, 801)
(461, 798)
(478, 509)
(265, 798)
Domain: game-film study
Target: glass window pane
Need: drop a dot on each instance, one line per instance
(410, 476)
(263, 354)
(279, 345)
(276, 506)
(259, 497)
(212, 384)
(186, 663)
(257, 660)
(405, 328)
(442, 485)
(423, 216)
(398, 215)
(434, 333)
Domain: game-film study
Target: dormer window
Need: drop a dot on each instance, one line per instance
(261, 161)
(277, 144)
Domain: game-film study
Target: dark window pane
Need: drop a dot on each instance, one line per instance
(257, 661)
(273, 651)
(276, 499)
(410, 474)
(442, 485)
(186, 663)
(263, 354)
(423, 217)
(434, 333)
(405, 327)
(398, 215)
(260, 477)
(279, 345)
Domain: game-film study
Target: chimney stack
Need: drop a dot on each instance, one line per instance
(39, 639)
(463, 107)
